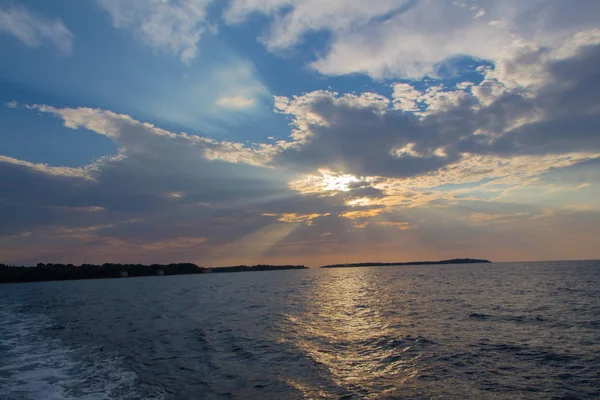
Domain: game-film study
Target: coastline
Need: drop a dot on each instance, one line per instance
(68, 272)
(441, 262)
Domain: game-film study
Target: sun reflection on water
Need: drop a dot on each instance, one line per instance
(348, 333)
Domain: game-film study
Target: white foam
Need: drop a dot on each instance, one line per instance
(33, 366)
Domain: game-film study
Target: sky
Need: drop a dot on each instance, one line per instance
(226, 132)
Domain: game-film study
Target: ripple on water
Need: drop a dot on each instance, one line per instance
(34, 366)
(429, 332)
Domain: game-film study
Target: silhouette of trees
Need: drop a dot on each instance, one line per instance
(62, 272)
(376, 264)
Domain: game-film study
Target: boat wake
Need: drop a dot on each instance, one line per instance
(35, 366)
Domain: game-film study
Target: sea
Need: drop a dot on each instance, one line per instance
(477, 331)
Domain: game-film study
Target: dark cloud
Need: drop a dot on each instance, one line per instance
(569, 104)
(163, 187)
(559, 115)
(359, 139)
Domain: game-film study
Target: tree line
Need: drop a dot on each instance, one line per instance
(62, 272)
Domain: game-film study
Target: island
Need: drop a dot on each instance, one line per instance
(442, 262)
(63, 272)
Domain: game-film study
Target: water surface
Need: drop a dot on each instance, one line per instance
(485, 331)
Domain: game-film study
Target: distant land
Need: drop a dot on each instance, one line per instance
(376, 264)
(64, 272)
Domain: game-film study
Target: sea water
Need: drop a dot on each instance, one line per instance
(484, 331)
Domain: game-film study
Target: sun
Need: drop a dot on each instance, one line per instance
(326, 182)
(337, 182)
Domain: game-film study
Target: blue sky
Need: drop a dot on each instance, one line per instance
(199, 130)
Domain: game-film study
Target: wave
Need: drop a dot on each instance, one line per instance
(34, 365)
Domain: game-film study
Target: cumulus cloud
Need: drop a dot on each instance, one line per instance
(389, 39)
(356, 135)
(405, 97)
(357, 138)
(422, 131)
(367, 145)
(33, 29)
(166, 195)
(440, 165)
(172, 26)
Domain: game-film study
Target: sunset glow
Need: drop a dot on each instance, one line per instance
(298, 132)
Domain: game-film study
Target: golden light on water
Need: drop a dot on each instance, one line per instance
(348, 333)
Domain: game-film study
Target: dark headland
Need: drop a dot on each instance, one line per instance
(442, 262)
(64, 272)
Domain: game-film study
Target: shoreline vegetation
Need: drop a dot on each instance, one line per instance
(67, 272)
(442, 262)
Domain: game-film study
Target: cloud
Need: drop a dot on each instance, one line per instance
(408, 39)
(405, 97)
(296, 218)
(496, 218)
(357, 140)
(362, 213)
(149, 157)
(140, 139)
(235, 102)
(167, 25)
(163, 190)
(403, 226)
(163, 198)
(240, 10)
(33, 29)
(192, 99)
(421, 131)
(47, 169)
(428, 171)
(358, 135)
(294, 19)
